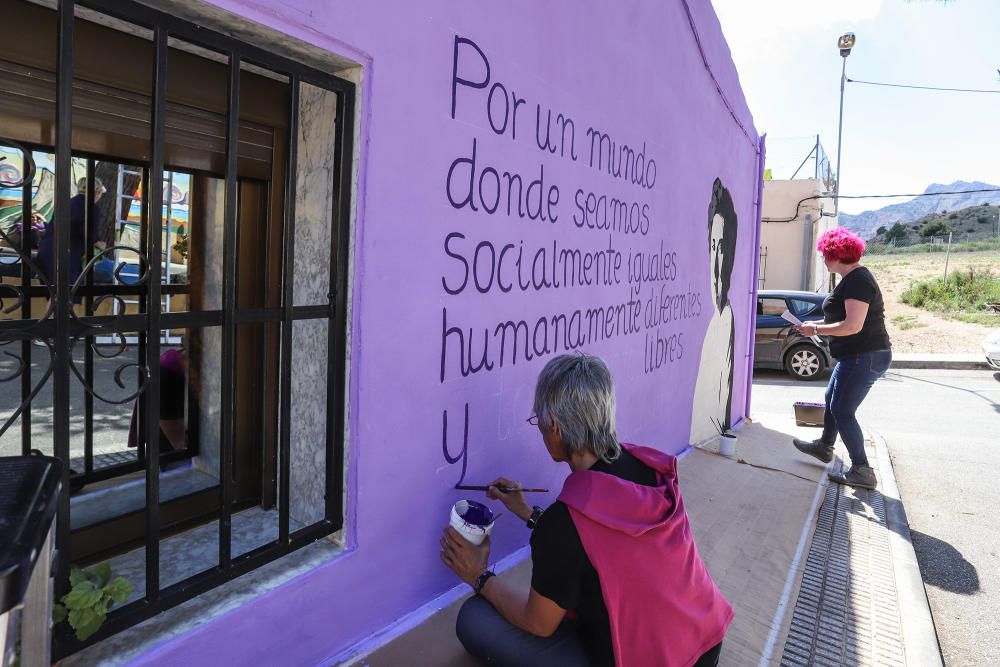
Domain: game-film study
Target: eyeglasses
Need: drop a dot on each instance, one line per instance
(533, 420)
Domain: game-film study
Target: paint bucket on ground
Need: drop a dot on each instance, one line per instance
(727, 444)
(472, 520)
(809, 414)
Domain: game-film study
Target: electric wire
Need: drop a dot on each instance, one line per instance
(903, 85)
(835, 196)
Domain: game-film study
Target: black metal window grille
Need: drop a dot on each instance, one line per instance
(60, 327)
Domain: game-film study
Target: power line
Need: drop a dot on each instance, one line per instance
(901, 85)
(833, 196)
(921, 194)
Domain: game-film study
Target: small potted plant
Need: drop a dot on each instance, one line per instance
(727, 439)
(92, 594)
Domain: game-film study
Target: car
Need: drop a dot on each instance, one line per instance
(991, 347)
(778, 345)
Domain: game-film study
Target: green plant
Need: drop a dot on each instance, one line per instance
(91, 595)
(965, 295)
(897, 231)
(934, 228)
(181, 245)
(905, 322)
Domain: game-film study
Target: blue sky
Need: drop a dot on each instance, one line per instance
(895, 140)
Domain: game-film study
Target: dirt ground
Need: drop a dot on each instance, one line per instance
(925, 331)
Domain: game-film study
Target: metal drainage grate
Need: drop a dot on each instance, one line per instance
(846, 612)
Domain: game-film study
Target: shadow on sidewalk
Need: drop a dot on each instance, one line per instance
(944, 566)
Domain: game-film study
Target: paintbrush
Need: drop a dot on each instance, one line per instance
(468, 487)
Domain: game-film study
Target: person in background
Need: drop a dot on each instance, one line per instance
(77, 235)
(854, 318)
(173, 398)
(614, 552)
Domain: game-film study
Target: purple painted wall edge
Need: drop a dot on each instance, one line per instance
(495, 145)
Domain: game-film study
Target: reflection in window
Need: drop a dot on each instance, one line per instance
(771, 306)
(801, 306)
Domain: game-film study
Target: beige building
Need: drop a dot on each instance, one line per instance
(793, 215)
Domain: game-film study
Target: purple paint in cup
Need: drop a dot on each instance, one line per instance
(472, 520)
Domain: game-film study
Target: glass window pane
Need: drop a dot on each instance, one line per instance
(801, 306)
(772, 307)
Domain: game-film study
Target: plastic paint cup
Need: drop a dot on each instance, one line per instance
(727, 445)
(472, 520)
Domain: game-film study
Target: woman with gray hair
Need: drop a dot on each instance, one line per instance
(79, 216)
(616, 578)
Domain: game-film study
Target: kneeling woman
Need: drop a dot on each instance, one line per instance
(615, 549)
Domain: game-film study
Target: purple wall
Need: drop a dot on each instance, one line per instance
(655, 75)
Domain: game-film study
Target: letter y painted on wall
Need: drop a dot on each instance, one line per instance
(463, 455)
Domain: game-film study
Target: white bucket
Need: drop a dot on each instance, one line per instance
(480, 524)
(727, 445)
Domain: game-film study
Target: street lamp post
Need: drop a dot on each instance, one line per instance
(845, 43)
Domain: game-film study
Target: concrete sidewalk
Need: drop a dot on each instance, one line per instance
(940, 361)
(755, 522)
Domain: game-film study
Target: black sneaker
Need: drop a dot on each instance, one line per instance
(815, 448)
(862, 477)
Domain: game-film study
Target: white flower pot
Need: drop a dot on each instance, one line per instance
(727, 445)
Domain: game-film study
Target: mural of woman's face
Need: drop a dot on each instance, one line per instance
(715, 247)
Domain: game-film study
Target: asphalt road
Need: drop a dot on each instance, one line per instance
(943, 432)
(111, 421)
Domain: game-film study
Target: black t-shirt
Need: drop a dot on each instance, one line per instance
(562, 572)
(858, 284)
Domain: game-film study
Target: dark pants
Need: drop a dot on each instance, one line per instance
(490, 637)
(852, 378)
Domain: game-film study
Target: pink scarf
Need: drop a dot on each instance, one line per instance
(663, 606)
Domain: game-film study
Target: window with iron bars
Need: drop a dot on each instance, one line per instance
(174, 215)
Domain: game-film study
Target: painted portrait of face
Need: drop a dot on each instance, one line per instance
(722, 229)
(715, 239)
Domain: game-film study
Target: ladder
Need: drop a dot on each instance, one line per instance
(121, 222)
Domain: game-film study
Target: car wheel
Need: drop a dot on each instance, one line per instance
(805, 362)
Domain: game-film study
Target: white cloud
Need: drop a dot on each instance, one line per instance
(752, 17)
(752, 26)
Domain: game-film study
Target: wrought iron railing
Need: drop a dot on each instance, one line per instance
(58, 331)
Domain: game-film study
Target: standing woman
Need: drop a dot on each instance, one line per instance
(854, 318)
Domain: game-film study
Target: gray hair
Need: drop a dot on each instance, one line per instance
(81, 186)
(577, 391)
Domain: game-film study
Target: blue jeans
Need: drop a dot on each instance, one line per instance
(852, 378)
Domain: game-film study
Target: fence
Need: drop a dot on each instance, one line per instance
(799, 157)
(964, 242)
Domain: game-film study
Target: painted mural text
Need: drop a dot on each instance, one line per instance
(491, 189)
(614, 157)
(629, 285)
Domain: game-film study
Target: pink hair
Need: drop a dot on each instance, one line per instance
(841, 245)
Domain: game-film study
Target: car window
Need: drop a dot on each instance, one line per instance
(771, 306)
(801, 306)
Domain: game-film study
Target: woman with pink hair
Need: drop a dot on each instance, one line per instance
(854, 318)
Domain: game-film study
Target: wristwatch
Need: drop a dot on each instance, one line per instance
(481, 581)
(536, 513)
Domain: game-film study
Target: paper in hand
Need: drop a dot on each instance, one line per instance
(787, 315)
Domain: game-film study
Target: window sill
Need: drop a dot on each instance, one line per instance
(133, 642)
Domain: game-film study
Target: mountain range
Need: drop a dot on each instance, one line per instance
(865, 224)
